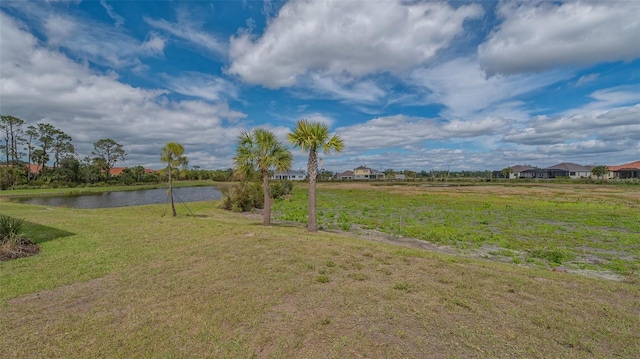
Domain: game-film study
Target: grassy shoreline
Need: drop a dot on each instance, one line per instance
(128, 282)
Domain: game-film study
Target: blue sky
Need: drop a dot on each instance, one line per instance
(407, 85)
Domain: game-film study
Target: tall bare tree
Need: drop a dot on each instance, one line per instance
(109, 152)
(11, 127)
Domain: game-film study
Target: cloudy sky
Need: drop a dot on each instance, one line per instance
(407, 84)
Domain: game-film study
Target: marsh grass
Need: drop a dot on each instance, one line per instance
(127, 282)
(595, 228)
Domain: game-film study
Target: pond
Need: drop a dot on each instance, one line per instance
(127, 198)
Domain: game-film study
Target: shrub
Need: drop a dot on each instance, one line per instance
(242, 197)
(245, 196)
(280, 188)
(10, 229)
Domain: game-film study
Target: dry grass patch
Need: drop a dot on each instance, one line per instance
(221, 285)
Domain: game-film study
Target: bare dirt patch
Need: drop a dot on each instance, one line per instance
(18, 251)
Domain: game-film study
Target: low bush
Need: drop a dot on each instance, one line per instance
(12, 244)
(280, 188)
(245, 196)
(10, 229)
(242, 197)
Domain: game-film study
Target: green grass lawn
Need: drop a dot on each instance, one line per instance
(128, 282)
(595, 229)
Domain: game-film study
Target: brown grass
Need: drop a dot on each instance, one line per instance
(220, 285)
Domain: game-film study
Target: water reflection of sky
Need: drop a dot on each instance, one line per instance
(128, 198)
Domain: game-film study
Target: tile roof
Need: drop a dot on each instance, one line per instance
(519, 168)
(627, 166)
(115, 171)
(569, 167)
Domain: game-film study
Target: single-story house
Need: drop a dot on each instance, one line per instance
(628, 170)
(517, 170)
(346, 175)
(570, 170)
(289, 175)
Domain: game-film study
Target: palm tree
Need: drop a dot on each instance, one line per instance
(314, 136)
(173, 155)
(258, 151)
(506, 172)
(599, 171)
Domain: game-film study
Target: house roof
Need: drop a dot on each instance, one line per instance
(362, 168)
(346, 174)
(627, 166)
(520, 168)
(33, 168)
(115, 171)
(569, 167)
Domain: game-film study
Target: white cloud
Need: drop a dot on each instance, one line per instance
(191, 32)
(41, 85)
(119, 20)
(365, 91)
(607, 98)
(357, 38)
(462, 87)
(154, 44)
(619, 123)
(58, 29)
(84, 40)
(201, 85)
(400, 130)
(539, 35)
(585, 79)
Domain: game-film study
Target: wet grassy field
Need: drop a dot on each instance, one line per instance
(591, 228)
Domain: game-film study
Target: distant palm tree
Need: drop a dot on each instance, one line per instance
(311, 137)
(173, 155)
(259, 151)
(599, 171)
(506, 172)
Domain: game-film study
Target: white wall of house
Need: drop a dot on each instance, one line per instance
(291, 176)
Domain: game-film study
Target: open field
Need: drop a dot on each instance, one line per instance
(586, 228)
(127, 282)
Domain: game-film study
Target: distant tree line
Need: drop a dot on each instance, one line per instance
(42, 155)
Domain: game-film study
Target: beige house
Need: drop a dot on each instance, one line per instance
(628, 170)
(366, 173)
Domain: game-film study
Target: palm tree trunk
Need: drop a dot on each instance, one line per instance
(266, 212)
(312, 171)
(173, 207)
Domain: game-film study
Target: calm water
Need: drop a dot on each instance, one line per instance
(128, 198)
